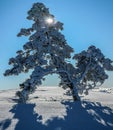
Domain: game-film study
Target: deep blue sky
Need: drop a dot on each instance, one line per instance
(86, 22)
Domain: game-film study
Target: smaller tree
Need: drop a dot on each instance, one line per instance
(91, 67)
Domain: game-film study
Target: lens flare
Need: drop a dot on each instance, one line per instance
(49, 20)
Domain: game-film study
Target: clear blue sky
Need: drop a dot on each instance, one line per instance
(86, 22)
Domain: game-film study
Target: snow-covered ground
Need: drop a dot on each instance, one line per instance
(49, 108)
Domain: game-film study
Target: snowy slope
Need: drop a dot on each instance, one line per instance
(50, 109)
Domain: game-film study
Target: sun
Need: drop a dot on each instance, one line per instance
(50, 20)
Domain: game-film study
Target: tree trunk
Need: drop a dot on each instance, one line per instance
(74, 93)
(23, 96)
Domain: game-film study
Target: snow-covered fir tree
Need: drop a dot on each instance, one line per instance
(48, 52)
(45, 52)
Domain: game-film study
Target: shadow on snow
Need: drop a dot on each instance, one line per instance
(83, 115)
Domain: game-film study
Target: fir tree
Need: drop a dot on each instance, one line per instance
(48, 52)
(45, 52)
